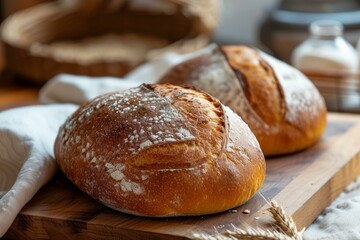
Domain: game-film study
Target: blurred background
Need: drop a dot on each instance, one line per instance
(42, 38)
(239, 21)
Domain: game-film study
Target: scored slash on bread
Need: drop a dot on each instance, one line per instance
(161, 150)
(281, 106)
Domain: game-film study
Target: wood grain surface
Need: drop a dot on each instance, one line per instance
(303, 184)
(15, 92)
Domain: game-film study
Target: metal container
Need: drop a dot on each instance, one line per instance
(287, 24)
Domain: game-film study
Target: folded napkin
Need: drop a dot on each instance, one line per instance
(27, 136)
(66, 88)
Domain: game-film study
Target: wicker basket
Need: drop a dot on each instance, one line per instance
(185, 25)
(341, 90)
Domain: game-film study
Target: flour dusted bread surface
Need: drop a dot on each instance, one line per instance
(281, 106)
(161, 150)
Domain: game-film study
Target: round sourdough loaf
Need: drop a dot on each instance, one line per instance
(161, 150)
(282, 107)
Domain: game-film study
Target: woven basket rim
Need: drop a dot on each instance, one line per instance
(14, 25)
(40, 68)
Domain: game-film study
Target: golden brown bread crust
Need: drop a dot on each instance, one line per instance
(161, 150)
(281, 106)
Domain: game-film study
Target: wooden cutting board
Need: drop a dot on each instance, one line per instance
(303, 184)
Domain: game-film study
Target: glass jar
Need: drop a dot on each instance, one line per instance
(325, 50)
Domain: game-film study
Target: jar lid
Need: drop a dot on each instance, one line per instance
(326, 28)
(319, 6)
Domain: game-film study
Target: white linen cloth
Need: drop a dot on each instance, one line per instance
(27, 136)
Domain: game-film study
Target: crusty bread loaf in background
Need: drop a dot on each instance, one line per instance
(281, 106)
(161, 150)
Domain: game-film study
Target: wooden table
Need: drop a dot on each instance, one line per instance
(304, 184)
(12, 96)
(15, 91)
